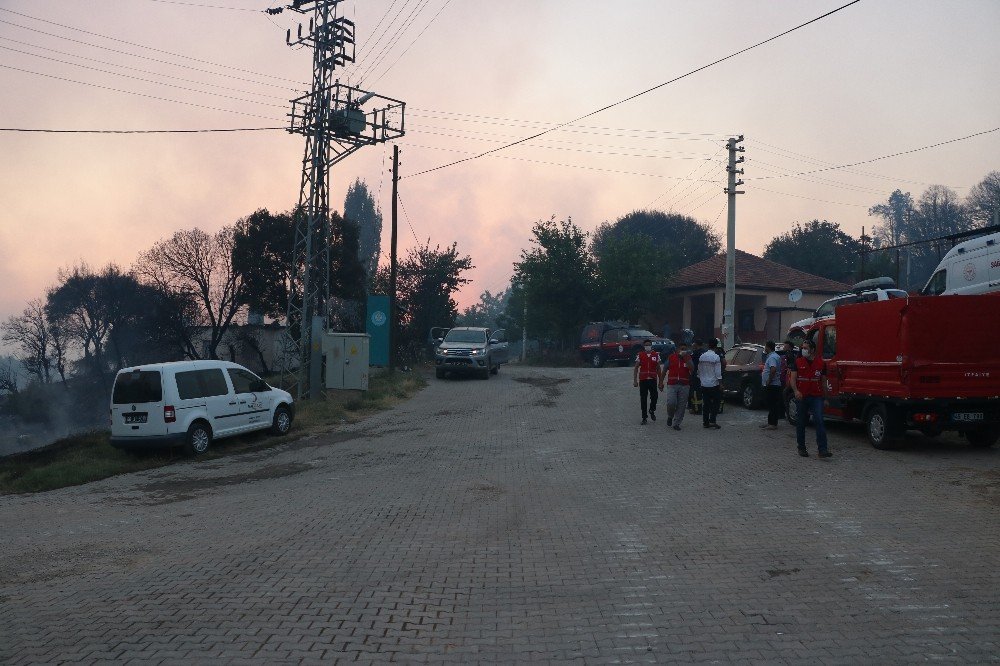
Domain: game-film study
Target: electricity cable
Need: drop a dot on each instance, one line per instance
(639, 94)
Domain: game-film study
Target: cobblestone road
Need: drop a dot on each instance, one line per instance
(528, 518)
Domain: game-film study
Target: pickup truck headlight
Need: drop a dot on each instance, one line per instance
(478, 352)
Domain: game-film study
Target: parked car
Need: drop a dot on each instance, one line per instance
(193, 403)
(617, 341)
(876, 289)
(971, 267)
(470, 349)
(741, 374)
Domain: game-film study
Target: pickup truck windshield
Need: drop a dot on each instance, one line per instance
(466, 336)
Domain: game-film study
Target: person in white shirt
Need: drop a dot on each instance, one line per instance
(710, 376)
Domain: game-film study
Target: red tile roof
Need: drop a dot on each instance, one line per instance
(752, 272)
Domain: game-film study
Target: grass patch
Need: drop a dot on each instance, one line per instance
(90, 457)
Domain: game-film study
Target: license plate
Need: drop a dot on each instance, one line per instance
(967, 416)
(135, 418)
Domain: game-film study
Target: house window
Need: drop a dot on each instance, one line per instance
(745, 323)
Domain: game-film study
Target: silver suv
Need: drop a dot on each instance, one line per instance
(469, 350)
(876, 289)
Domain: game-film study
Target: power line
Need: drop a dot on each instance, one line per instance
(137, 78)
(884, 157)
(407, 216)
(139, 94)
(136, 55)
(196, 4)
(377, 37)
(393, 64)
(387, 47)
(142, 46)
(644, 92)
(134, 69)
(799, 196)
(185, 131)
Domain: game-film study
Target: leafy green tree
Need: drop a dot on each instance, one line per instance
(262, 254)
(631, 271)
(983, 201)
(818, 247)
(557, 275)
(361, 211)
(426, 282)
(683, 240)
(895, 213)
(487, 312)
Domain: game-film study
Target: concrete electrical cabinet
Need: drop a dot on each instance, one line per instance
(346, 356)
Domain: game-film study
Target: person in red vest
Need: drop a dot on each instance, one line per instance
(677, 371)
(645, 374)
(809, 385)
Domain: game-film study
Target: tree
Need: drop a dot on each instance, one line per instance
(194, 265)
(983, 201)
(895, 214)
(557, 275)
(487, 312)
(631, 271)
(262, 255)
(426, 281)
(938, 212)
(818, 247)
(360, 210)
(31, 334)
(686, 240)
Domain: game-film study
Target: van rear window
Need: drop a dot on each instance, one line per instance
(201, 384)
(136, 387)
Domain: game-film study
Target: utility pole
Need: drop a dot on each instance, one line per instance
(335, 125)
(729, 307)
(392, 261)
(524, 332)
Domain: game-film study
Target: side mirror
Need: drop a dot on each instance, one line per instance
(494, 341)
(438, 341)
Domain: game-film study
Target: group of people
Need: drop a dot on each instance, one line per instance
(685, 371)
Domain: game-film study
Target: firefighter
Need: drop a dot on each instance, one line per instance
(677, 370)
(645, 374)
(809, 385)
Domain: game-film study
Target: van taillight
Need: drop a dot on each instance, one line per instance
(169, 415)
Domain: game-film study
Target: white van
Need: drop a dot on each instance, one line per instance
(192, 403)
(971, 267)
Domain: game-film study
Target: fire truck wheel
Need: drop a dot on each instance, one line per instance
(882, 428)
(596, 359)
(984, 437)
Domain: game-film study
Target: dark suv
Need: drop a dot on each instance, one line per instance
(741, 376)
(617, 341)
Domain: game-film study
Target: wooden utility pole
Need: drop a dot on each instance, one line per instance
(393, 314)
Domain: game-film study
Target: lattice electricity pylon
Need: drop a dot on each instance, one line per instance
(335, 125)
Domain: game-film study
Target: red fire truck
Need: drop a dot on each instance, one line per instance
(929, 363)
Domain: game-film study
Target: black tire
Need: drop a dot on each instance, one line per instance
(282, 421)
(496, 369)
(199, 438)
(596, 359)
(792, 411)
(750, 395)
(485, 374)
(439, 373)
(883, 431)
(984, 437)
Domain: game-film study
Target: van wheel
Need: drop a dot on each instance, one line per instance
(199, 437)
(282, 421)
(882, 428)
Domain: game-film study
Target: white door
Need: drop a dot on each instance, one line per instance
(207, 391)
(254, 398)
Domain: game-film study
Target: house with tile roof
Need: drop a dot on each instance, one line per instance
(695, 297)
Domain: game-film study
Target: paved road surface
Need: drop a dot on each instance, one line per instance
(527, 518)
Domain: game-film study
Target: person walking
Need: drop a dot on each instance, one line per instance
(770, 379)
(695, 392)
(809, 387)
(677, 370)
(710, 376)
(645, 375)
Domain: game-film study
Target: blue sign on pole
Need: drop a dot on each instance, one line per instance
(377, 327)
